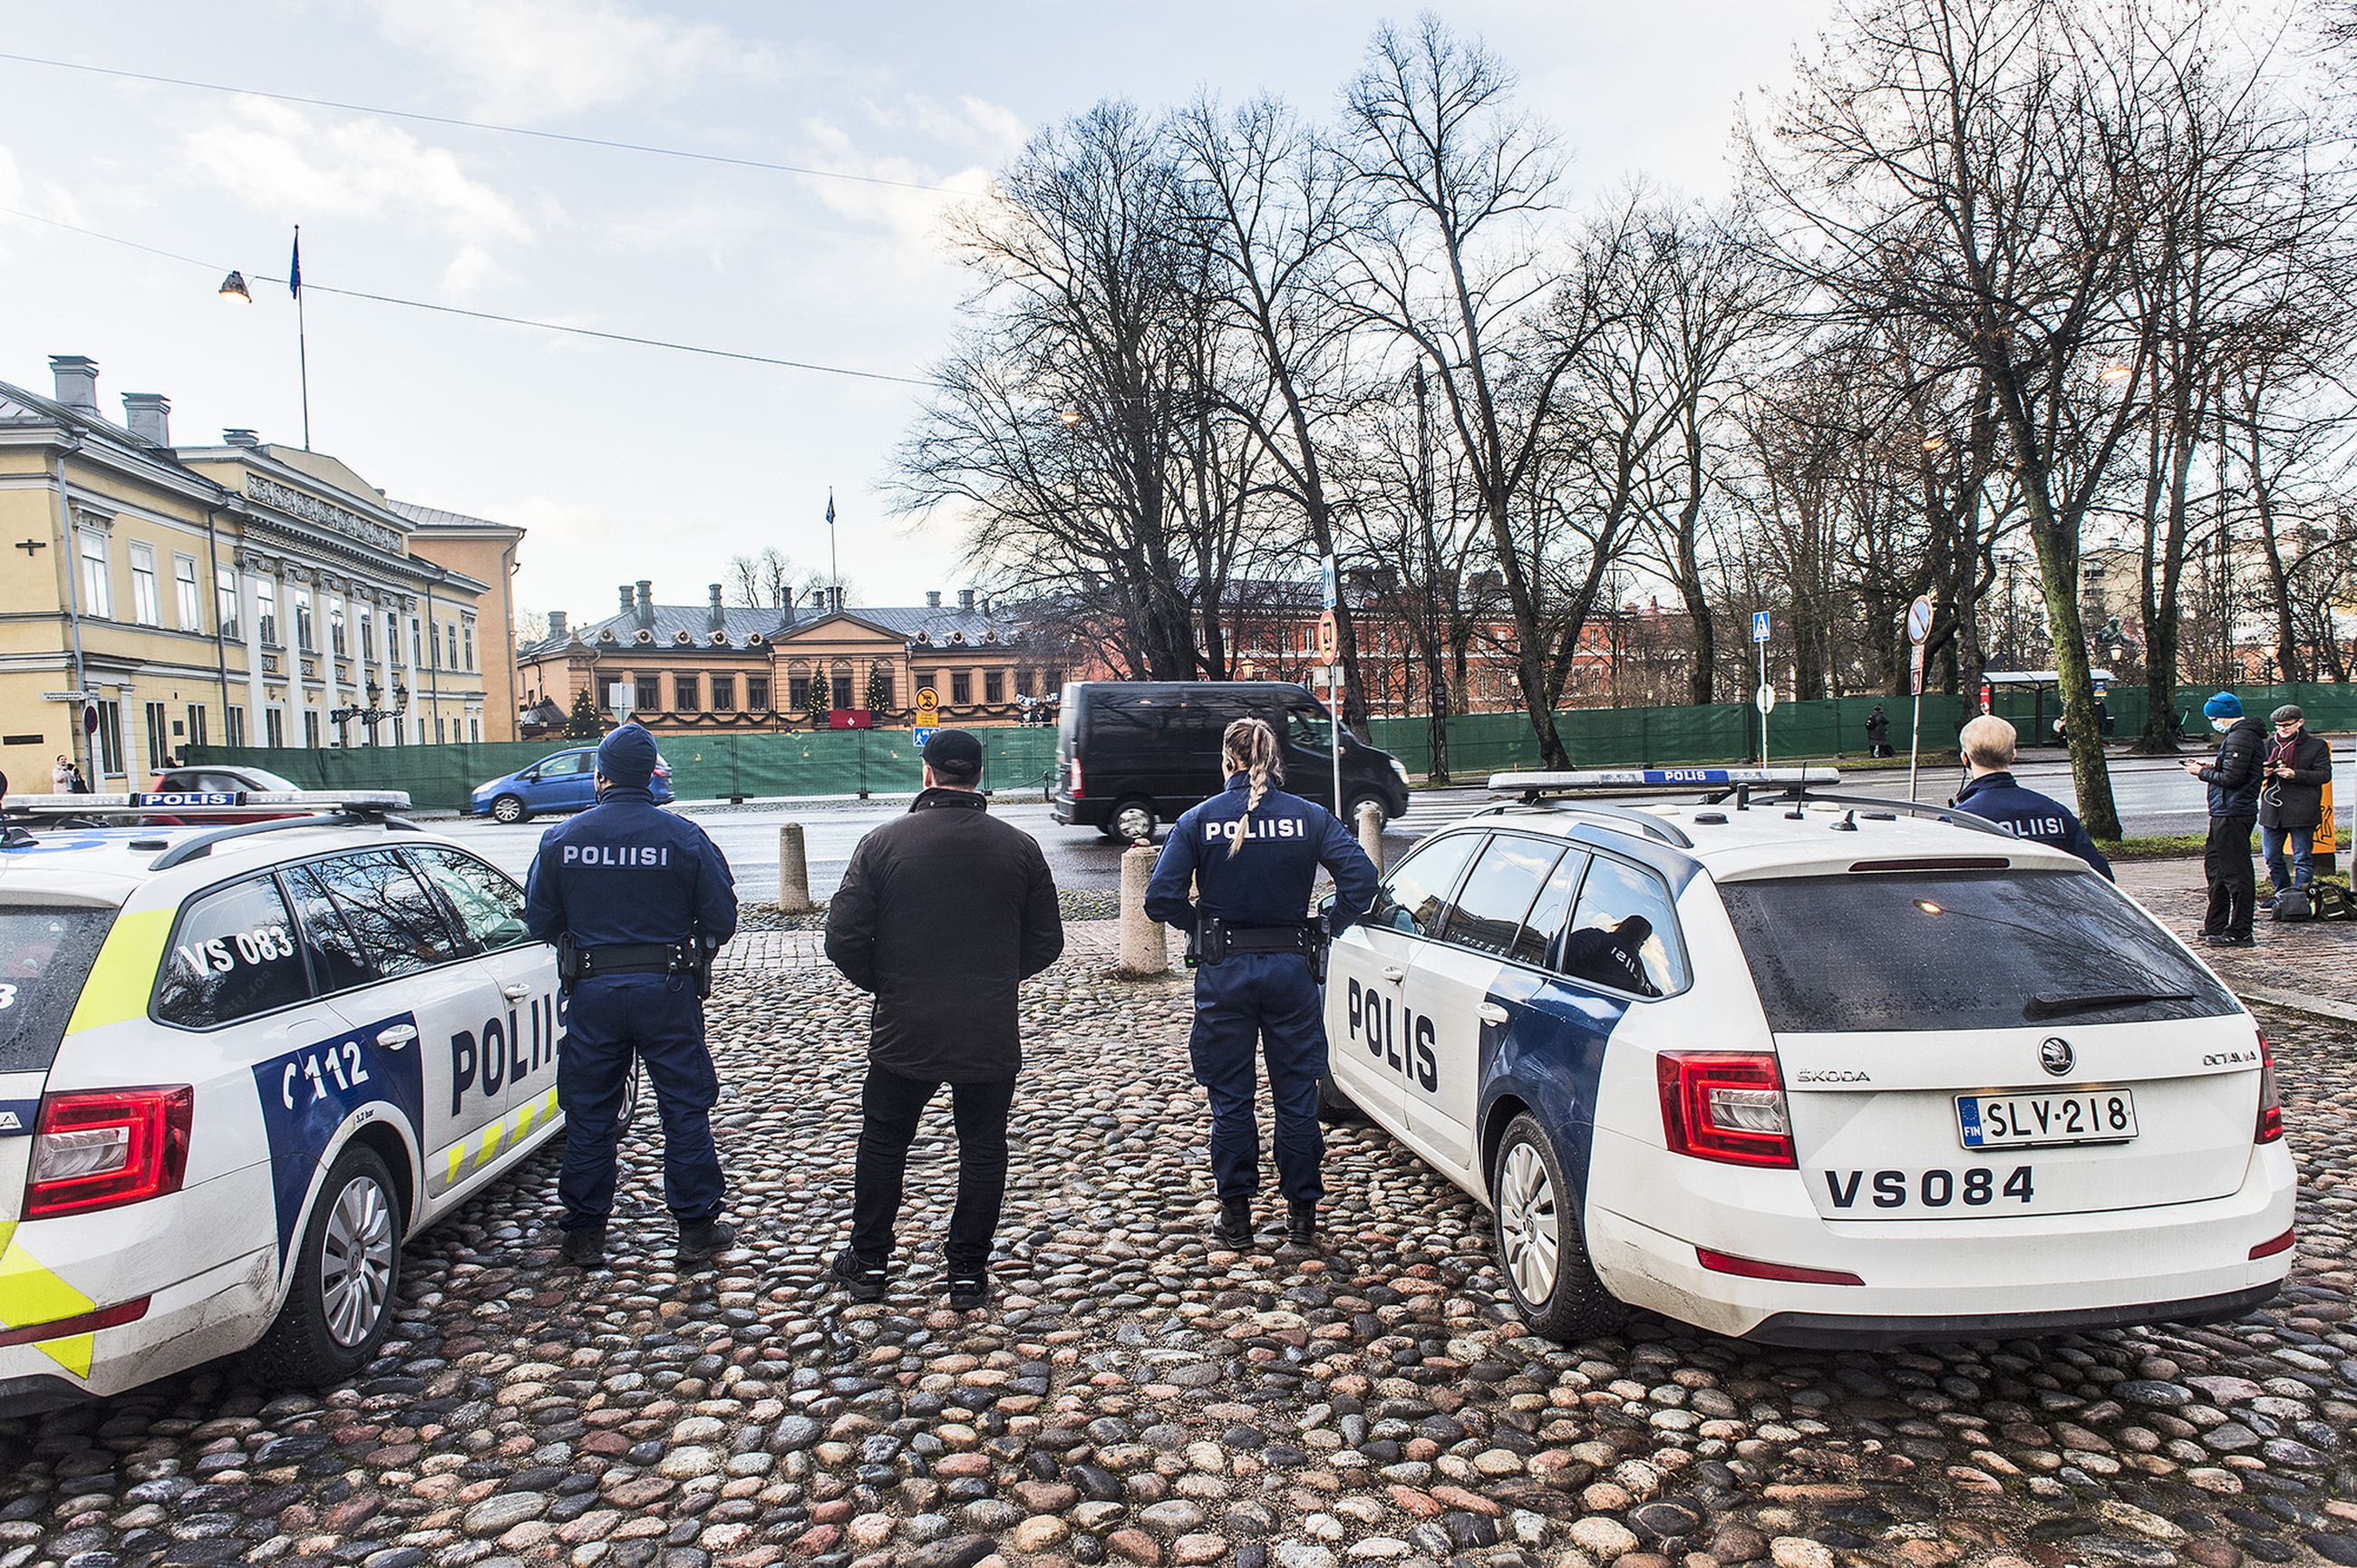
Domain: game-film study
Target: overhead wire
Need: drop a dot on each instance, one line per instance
(421, 117)
(634, 338)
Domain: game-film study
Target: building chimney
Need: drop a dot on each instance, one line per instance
(646, 604)
(818, 598)
(556, 623)
(625, 591)
(965, 601)
(933, 599)
(719, 616)
(77, 382)
(149, 416)
(239, 436)
(835, 596)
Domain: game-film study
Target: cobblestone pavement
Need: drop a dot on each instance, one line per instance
(2316, 958)
(1135, 1396)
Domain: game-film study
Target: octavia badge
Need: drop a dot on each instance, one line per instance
(2054, 1054)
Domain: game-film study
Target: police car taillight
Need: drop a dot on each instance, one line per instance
(102, 1148)
(1727, 1106)
(2270, 1128)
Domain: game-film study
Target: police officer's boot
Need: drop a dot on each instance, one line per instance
(706, 1238)
(1301, 1223)
(584, 1246)
(1234, 1225)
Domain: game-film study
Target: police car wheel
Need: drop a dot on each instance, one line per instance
(341, 1301)
(509, 809)
(1134, 821)
(1539, 1246)
(1335, 1104)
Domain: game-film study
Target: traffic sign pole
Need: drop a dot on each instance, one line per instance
(1919, 627)
(1759, 637)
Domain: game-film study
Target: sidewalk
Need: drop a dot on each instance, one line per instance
(2309, 968)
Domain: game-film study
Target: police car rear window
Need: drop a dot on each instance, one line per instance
(46, 951)
(1959, 949)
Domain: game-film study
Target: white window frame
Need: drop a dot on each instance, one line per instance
(97, 597)
(146, 605)
(184, 590)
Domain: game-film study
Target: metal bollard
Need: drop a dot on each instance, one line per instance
(793, 871)
(1145, 945)
(1371, 831)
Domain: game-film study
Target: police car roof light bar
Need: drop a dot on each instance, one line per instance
(348, 802)
(1531, 785)
(202, 844)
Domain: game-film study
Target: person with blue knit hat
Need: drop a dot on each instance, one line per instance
(635, 897)
(2234, 780)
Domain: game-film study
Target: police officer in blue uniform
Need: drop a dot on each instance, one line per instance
(636, 898)
(1252, 854)
(1989, 745)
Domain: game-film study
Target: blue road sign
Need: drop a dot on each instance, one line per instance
(922, 735)
(1759, 625)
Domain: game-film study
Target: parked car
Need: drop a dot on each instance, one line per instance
(216, 780)
(1131, 755)
(561, 781)
(1818, 1072)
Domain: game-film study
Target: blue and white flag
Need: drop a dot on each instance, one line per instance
(295, 266)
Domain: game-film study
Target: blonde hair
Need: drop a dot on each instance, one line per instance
(1249, 746)
(1989, 741)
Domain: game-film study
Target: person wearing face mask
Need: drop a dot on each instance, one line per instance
(2233, 777)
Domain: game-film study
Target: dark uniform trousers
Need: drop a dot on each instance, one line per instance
(890, 1106)
(2227, 863)
(1272, 996)
(611, 1023)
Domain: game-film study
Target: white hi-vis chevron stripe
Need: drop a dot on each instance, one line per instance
(460, 1160)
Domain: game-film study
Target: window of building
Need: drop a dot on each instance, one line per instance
(299, 601)
(311, 728)
(225, 614)
(1052, 684)
(797, 694)
(184, 582)
(757, 694)
(196, 736)
(145, 608)
(881, 688)
(646, 693)
(159, 745)
(960, 687)
(474, 726)
(336, 629)
(925, 678)
(95, 599)
(109, 737)
(265, 610)
(839, 686)
(416, 648)
(368, 639)
(613, 691)
(467, 638)
(450, 646)
(274, 727)
(683, 693)
(438, 736)
(723, 692)
(994, 686)
(233, 724)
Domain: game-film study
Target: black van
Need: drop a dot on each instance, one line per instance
(1131, 755)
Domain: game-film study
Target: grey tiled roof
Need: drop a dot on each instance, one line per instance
(939, 624)
(435, 517)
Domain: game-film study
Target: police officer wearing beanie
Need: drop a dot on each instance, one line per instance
(2234, 780)
(1248, 858)
(635, 898)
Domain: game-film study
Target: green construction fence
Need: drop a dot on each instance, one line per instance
(1016, 759)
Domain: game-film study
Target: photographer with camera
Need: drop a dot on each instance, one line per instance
(636, 900)
(1252, 854)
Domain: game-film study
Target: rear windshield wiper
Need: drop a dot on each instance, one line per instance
(2048, 1006)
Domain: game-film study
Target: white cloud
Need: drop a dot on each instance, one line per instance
(275, 157)
(912, 218)
(37, 196)
(537, 59)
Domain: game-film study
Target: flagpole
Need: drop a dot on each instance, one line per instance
(302, 346)
(834, 571)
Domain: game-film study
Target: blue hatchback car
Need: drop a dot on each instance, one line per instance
(561, 781)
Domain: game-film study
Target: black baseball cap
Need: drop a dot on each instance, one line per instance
(954, 754)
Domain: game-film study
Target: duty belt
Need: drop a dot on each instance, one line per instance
(631, 958)
(1272, 939)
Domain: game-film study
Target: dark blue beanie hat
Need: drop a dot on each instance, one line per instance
(627, 758)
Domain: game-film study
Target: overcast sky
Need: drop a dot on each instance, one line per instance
(628, 462)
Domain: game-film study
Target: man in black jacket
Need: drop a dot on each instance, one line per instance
(2291, 797)
(2234, 780)
(941, 915)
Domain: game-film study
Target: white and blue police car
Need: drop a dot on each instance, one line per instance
(1812, 1070)
(239, 1063)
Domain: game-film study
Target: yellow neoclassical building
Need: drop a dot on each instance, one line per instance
(243, 593)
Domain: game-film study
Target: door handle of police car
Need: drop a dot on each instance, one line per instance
(395, 1036)
(1395, 975)
(1490, 1013)
(516, 992)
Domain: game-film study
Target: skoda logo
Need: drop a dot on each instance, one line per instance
(2054, 1054)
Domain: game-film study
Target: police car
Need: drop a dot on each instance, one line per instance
(1812, 1070)
(238, 1066)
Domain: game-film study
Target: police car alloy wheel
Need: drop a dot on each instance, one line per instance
(1135, 820)
(509, 809)
(342, 1301)
(1539, 1250)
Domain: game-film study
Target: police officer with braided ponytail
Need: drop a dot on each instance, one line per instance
(1236, 873)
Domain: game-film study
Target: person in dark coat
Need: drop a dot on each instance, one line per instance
(2291, 797)
(941, 915)
(1878, 732)
(2234, 780)
(1990, 793)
